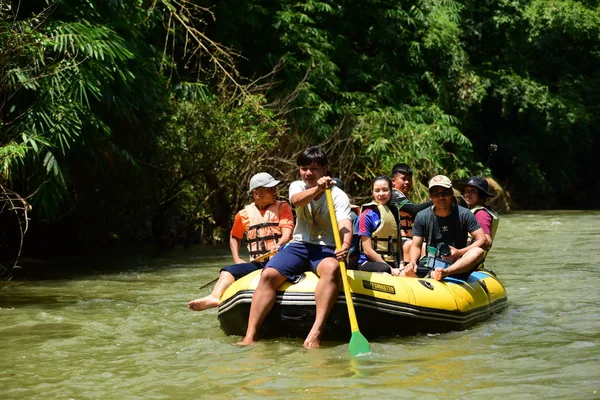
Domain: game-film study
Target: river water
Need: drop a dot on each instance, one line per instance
(118, 328)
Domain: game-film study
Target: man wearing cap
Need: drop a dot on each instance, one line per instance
(267, 224)
(312, 248)
(448, 224)
(476, 192)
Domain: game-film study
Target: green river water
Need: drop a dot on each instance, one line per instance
(118, 328)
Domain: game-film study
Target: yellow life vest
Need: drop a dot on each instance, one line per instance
(264, 230)
(495, 218)
(385, 237)
(495, 223)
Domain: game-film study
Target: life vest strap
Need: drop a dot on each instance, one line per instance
(263, 225)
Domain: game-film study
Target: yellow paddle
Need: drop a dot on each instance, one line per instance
(358, 343)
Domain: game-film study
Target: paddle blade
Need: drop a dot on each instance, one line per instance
(358, 344)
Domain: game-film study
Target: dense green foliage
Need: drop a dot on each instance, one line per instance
(130, 120)
(422, 81)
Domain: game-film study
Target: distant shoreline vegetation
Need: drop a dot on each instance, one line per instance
(125, 124)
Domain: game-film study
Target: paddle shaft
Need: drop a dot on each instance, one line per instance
(257, 259)
(338, 245)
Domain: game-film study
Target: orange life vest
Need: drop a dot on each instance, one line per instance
(264, 230)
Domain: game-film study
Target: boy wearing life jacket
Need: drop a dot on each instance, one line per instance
(312, 247)
(267, 224)
(446, 225)
(402, 180)
(476, 192)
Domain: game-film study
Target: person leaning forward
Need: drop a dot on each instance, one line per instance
(312, 247)
(267, 224)
(449, 224)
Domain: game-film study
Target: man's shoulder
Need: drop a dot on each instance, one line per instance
(283, 205)
(397, 197)
(425, 211)
(297, 186)
(336, 191)
(463, 210)
(340, 199)
(244, 211)
(423, 214)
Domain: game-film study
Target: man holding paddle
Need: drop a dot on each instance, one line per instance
(312, 248)
(267, 224)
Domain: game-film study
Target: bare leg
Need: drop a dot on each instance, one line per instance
(466, 263)
(326, 294)
(406, 250)
(262, 302)
(212, 300)
(469, 260)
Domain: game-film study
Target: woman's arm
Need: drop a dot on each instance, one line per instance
(367, 245)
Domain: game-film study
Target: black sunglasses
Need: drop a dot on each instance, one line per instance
(441, 193)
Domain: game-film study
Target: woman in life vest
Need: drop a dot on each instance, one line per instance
(379, 233)
(476, 192)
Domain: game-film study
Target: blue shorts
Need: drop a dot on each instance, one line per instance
(241, 270)
(298, 257)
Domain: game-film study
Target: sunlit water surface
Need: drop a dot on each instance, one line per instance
(119, 329)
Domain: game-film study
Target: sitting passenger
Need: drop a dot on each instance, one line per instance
(402, 178)
(446, 224)
(267, 224)
(378, 229)
(475, 192)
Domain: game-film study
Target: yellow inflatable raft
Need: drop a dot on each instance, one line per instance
(385, 305)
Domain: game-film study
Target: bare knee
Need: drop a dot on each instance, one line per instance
(478, 253)
(271, 277)
(226, 275)
(474, 255)
(329, 269)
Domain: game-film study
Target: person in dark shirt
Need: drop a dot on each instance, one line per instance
(446, 224)
(402, 176)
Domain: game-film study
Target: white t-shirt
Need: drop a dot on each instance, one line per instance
(313, 224)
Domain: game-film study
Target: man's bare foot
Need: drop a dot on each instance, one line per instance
(248, 340)
(313, 340)
(203, 303)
